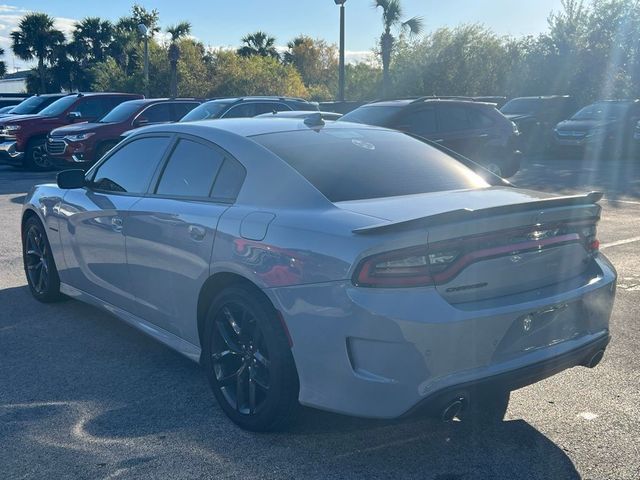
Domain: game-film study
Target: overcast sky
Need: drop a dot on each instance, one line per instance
(222, 23)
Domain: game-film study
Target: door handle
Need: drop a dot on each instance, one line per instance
(439, 140)
(116, 224)
(197, 232)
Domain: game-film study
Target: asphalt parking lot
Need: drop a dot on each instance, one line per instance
(84, 396)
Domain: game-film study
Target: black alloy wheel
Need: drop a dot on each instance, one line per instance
(39, 265)
(248, 360)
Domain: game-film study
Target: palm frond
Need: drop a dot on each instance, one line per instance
(414, 25)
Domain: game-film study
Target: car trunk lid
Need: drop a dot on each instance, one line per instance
(492, 242)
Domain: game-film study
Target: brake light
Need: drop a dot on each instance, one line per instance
(442, 261)
(408, 267)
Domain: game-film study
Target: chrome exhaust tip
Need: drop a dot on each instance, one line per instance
(452, 410)
(595, 359)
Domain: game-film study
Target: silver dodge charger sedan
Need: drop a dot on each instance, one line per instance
(345, 267)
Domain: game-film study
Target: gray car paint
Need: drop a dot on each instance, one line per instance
(362, 351)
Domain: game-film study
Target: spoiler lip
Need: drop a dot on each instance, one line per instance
(464, 214)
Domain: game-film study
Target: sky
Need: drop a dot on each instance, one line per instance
(219, 23)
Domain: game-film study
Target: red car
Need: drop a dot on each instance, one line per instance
(83, 144)
(23, 138)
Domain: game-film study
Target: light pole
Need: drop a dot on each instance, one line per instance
(341, 72)
(142, 28)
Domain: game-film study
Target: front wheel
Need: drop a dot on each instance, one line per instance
(36, 157)
(39, 265)
(248, 361)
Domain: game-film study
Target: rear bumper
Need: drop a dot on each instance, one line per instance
(9, 153)
(515, 379)
(381, 353)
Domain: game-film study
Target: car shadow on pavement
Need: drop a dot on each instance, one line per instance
(84, 391)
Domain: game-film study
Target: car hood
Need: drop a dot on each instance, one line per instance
(585, 125)
(397, 209)
(77, 128)
(18, 119)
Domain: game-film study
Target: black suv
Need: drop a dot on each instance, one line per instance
(536, 117)
(473, 129)
(246, 107)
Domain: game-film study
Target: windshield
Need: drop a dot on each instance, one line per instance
(121, 113)
(602, 110)
(205, 111)
(355, 164)
(371, 115)
(521, 105)
(30, 105)
(59, 106)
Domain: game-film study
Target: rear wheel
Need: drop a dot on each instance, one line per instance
(39, 266)
(36, 156)
(248, 361)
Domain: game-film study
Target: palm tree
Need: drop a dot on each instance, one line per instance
(3, 66)
(258, 43)
(177, 32)
(392, 19)
(92, 38)
(37, 38)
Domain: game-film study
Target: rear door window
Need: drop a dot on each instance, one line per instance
(419, 122)
(479, 120)
(453, 118)
(191, 170)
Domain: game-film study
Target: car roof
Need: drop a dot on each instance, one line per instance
(250, 127)
(93, 94)
(541, 97)
(147, 101)
(266, 97)
(403, 102)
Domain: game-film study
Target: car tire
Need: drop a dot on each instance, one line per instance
(248, 360)
(35, 157)
(485, 407)
(39, 264)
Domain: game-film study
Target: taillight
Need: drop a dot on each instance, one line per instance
(408, 267)
(442, 261)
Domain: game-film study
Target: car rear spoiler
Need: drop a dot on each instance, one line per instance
(465, 214)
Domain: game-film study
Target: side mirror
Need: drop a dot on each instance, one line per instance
(73, 116)
(69, 179)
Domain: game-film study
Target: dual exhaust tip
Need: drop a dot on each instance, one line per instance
(457, 405)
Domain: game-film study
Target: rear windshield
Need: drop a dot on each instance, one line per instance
(378, 115)
(356, 164)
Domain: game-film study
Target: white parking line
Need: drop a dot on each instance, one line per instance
(619, 242)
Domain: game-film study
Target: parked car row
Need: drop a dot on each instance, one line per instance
(77, 129)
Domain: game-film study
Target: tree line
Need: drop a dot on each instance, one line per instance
(590, 50)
